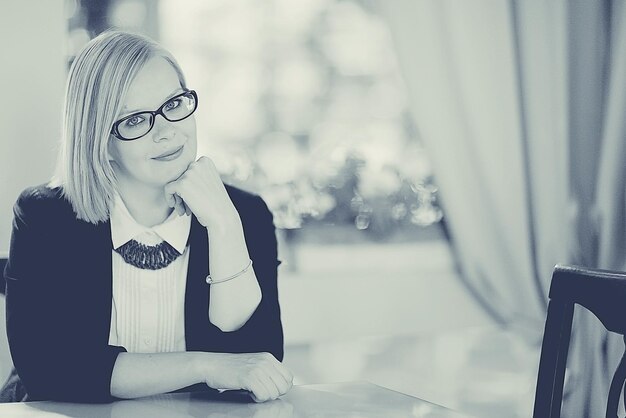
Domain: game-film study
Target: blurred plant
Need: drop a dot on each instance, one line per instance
(380, 201)
(314, 191)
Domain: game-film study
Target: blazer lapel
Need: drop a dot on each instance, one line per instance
(93, 278)
(197, 290)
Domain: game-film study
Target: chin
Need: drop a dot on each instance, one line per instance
(164, 173)
(177, 171)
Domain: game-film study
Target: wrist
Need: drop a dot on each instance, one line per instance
(226, 224)
(207, 369)
(201, 365)
(227, 242)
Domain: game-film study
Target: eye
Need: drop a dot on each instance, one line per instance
(134, 121)
(172, 104)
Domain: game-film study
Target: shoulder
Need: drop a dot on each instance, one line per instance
(40, 203)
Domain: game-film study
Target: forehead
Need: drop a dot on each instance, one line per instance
(154, 83)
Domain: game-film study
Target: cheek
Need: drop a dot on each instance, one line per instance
(192, 141)
(127, 155)
(113, 153)
(190, 127)
(192, 148)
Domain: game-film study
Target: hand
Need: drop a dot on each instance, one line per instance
(260, 373)
(200, 190)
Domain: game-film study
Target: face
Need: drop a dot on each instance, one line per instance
(164, 153)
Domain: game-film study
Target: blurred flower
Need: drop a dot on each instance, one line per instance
(398, 211)
(374, 182)
(425, 215)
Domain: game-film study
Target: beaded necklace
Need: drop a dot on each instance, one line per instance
(148, 257)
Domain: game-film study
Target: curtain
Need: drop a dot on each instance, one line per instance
(521, 106)
(598, 135)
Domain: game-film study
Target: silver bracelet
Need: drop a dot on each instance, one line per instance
(211, 280)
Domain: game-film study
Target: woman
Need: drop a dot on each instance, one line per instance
(108, 287)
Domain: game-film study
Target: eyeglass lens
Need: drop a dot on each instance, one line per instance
(175, 109)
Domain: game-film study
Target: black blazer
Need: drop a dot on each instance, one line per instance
(59, 293)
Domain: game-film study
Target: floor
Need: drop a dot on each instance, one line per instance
(396, 315)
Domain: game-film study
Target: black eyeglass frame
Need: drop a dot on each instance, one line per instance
(115, 131)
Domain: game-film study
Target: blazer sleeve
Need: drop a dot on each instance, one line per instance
(56, 353)
(263, 332)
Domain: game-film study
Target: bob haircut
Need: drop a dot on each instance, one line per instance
(97, 85)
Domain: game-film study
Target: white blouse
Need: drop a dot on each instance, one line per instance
(148, 310)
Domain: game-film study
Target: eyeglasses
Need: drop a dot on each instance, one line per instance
(139, 124)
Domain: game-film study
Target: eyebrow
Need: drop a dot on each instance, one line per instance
(176, 91)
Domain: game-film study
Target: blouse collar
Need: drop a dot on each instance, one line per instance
(174, 230)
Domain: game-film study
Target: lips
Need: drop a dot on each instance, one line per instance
(169, 154)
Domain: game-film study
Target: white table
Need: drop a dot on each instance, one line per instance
(345, 400)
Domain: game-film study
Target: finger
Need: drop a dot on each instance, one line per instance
(285, 373)
(282, 385)
(181, 208)
(187, 210)
(203, 172)
(176, 202)
(211, 175)
(280, 368)
(270, 385)
(171, 202)
(283, 382)
(260, 393)
(179, 205)
(170, 190)
(203, 159)
(264, 378)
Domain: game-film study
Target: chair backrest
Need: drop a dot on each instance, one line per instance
(6, 363)
(601, 292)
(3, 262)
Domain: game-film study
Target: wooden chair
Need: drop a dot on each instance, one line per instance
(6, 363)
(604, 294)
(3, 262)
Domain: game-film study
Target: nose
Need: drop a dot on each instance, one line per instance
(162, 129)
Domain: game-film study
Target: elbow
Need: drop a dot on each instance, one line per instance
(226, 326)
(233, 321)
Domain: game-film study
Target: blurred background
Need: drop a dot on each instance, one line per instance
(427, 163)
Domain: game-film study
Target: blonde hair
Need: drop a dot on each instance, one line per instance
(97, 85)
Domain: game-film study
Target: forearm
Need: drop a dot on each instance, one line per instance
(231, 302)
(138, 374)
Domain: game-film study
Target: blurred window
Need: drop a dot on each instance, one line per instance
(301, 102)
